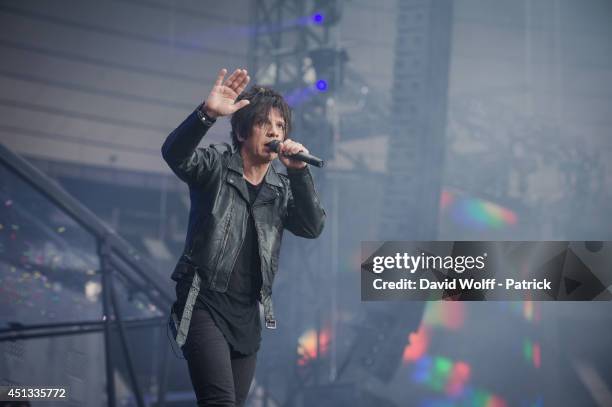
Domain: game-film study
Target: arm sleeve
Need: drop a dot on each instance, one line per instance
(305, 216)
(189, 163)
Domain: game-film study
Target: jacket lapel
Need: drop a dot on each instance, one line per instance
(272, 177)
(266, 194)
(235, 177)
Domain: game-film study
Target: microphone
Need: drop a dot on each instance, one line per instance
(274, 145)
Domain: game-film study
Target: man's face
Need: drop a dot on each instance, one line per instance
(272, 128)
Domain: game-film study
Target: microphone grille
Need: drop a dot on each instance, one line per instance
(274, 144)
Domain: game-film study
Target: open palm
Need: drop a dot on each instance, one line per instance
(222, 98)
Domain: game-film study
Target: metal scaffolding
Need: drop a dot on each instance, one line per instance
(116, 258)
(292, 41)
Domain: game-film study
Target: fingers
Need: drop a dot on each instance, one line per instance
(220, 77)
(230, 79)
(244, 84)
(241, 104)
(289, 147)
(236, 80)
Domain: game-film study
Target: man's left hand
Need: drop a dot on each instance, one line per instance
(289, 147)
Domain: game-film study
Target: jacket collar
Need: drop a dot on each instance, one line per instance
(235, 164)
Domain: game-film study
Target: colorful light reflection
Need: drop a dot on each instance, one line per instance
(307, 345)
(449, 314)
(471, 398)
(532, 353)
(442, 375)
(475, 213)
(418, 342)
(530, 310)
(483, 398)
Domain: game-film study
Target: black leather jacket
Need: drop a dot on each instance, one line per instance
(219, 210)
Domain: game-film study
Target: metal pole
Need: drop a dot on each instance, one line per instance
(124, 344)
(103, 253)
(70, 329)
(163, 369)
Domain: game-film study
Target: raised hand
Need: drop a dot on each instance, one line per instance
(222, 98)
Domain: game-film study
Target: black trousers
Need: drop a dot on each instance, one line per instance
(220, 376)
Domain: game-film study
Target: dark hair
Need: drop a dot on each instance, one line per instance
(262, 99)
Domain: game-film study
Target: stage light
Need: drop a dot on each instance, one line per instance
(328, 64)
(326, 12)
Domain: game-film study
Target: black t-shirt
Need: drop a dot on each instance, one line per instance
(236, 311)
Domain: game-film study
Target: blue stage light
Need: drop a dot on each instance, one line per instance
(322, 85)
(317, 18)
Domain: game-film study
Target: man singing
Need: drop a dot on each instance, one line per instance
(239, 208)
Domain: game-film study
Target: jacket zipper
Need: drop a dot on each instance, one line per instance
(259, 245)
(236, 257)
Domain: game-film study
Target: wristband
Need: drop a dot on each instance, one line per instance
(204, 118)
